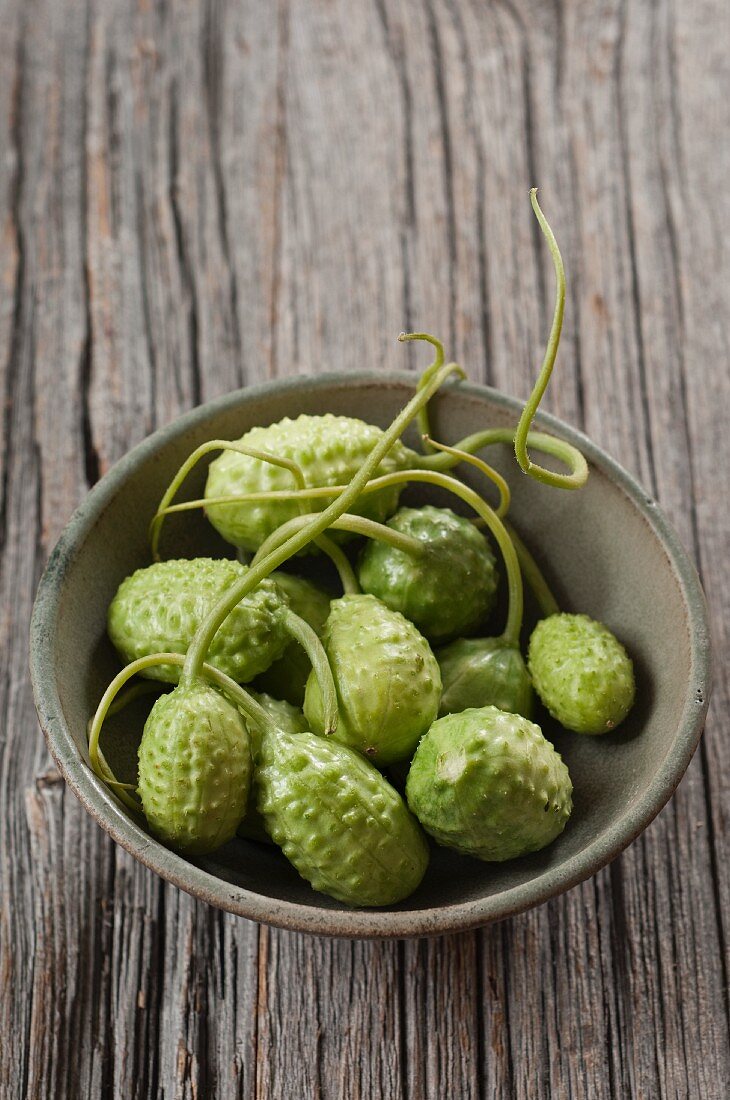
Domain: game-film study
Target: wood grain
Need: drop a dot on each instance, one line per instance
(195, 196)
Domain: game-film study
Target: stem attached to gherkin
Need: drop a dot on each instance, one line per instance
(111, 702)
(303, 633)
(533, 575)
(318, 524)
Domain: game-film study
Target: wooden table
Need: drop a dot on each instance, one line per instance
(196, 196)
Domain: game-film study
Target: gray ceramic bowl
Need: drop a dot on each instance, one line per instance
(608, 551)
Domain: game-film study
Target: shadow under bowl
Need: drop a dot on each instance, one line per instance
(607, 550)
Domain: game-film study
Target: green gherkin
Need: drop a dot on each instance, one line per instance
(286, 678)
(488, 784)
(446, 592)
(582, 673)
(194, 769)
(387, 679)
(159, 609)
(339, 821)
(480, 672)
(329, 450)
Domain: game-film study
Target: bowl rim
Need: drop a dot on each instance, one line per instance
(96, 798)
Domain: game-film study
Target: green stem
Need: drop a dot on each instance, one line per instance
(547, 477)
(423, 416)
(109, 704)
(308, 639)
(357, 525)
(533, 575)
(318, 524)
(538, 441)
(489, 472)
(549, 444)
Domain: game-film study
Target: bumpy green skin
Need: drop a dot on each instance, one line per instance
(582, 673)
(286, 718)
(329, 449)
(339, 821)
(194, 769)
(287, 677)
(446, 592)
(481, 672)
(489, 785)
(387, 679)
(159, 609)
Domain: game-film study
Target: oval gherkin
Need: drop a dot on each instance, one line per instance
(480, 672)
(194, 769)
(159, 609)
(387, 679)
(339, 821)
(488, 784)
(582, 673)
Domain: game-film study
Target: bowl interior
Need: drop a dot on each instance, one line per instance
(602, 551)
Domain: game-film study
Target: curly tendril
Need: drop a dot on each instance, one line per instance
(547, 477)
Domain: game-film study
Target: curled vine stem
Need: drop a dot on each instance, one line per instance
(493, 475)
(442, 462)
(423, 419)
(547, 477)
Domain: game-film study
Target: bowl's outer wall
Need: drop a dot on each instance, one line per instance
(606, 550)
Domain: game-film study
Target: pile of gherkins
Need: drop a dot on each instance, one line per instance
(391, 686)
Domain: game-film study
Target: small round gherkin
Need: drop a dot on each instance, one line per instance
(488, 784)
(582, 673)
(287, 677)
(339, 821)
(387, 679)
(481, 672)
(159, 609)
(194, 769)
(329, 451)
(448, 590)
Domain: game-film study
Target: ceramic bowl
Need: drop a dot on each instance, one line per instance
(607, 550)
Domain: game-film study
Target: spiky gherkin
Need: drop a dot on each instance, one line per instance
(488, 784)
(159, 609)
(582, 673)
(449, 589)
(480, 672)
(194, 768)
(387, 679)
(328, 449)
(339, 821)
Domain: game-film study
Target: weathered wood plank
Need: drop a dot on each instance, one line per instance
(199, 195)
